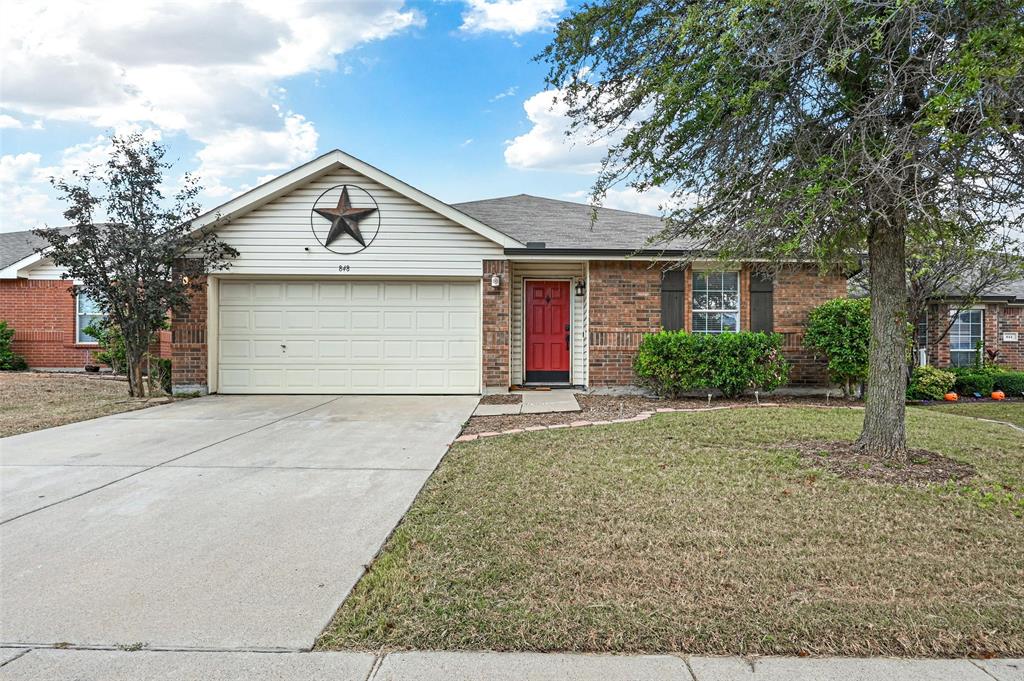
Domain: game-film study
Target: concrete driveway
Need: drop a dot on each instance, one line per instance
(217, 523)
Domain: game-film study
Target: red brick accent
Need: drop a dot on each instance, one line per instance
(625, 303)
(188, 343)
(798, 290)
(497, 320)
(42, 313)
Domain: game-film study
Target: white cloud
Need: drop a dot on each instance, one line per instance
(23, 198)
(210, 71)
(547, 146)
(510, 16)
(243, 151)
(466, 142)
(656, 201)
(507, 92)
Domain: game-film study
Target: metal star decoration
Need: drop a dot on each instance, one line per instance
(344, 219)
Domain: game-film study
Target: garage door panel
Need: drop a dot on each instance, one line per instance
(332, 349)
(300, 293)
(333, 319)
(366, 292)
(300, 319)
(267, 320)
(234, 320)
(430, 320)
(267, 293)
(366, 319)
(462, 320)
(359, 337)
(332, 292)
(428, 350)
(398, 319)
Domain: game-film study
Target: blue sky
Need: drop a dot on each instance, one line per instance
(445, 96)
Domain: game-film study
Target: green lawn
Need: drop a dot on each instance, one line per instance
(698, 533)
(1011, 412)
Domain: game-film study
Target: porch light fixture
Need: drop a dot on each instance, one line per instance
(495, 280)
(581, 288)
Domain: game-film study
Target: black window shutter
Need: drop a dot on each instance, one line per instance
(762, 287)
(673, 288)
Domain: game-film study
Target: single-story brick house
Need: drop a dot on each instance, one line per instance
(995, 321)
(348, 280)
(49, 322)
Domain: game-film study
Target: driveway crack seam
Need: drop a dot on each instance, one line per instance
(164, 463)
(16, 657)
(983, 670)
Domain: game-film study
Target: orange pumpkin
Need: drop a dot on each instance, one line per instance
(951, 397)
(998, 395)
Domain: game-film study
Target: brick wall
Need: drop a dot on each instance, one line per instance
(798, 290)
(1007, 319)
(999, 318)
(625, 303)
(497, 308)
(42, 313)
(188, 345)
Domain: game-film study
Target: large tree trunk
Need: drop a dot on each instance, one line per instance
(884, 432)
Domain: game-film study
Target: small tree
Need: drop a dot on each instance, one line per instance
(145, 260)
(840, 329)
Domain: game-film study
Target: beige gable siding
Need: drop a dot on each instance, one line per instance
(45, 269)
(413, 240)
(550, 270)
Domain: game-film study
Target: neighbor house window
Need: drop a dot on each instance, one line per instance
(88, 313)
(716, 302)
(964, 337)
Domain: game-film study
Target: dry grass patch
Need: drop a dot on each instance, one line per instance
(697, 533)
(31, 401)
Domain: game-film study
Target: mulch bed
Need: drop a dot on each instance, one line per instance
(843, 459)
(502, 399)
(617, 407)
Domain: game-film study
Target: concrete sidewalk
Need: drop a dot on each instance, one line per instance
(115, 665)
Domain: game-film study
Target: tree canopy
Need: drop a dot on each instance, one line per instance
(818, 129)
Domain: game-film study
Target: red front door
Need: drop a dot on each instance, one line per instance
(547, 331)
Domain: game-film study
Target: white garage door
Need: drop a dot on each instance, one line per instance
(349, 337)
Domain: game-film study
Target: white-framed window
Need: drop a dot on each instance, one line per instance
(964, 337)
(715, 302)
(87, 312)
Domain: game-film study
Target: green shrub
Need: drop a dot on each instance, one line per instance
(112, 351)
(970, 381)
(9, 360)
(676, 362)
(1010, 382)
(930, 383)
(840, 329)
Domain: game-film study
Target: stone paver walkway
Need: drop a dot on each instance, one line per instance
(118, 665)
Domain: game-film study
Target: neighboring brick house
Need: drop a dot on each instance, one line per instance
(48, 320)
(995, 322)
(351, 281)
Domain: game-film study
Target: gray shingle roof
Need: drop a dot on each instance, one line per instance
(15, 246)
(1013, 290)
(567, 225)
